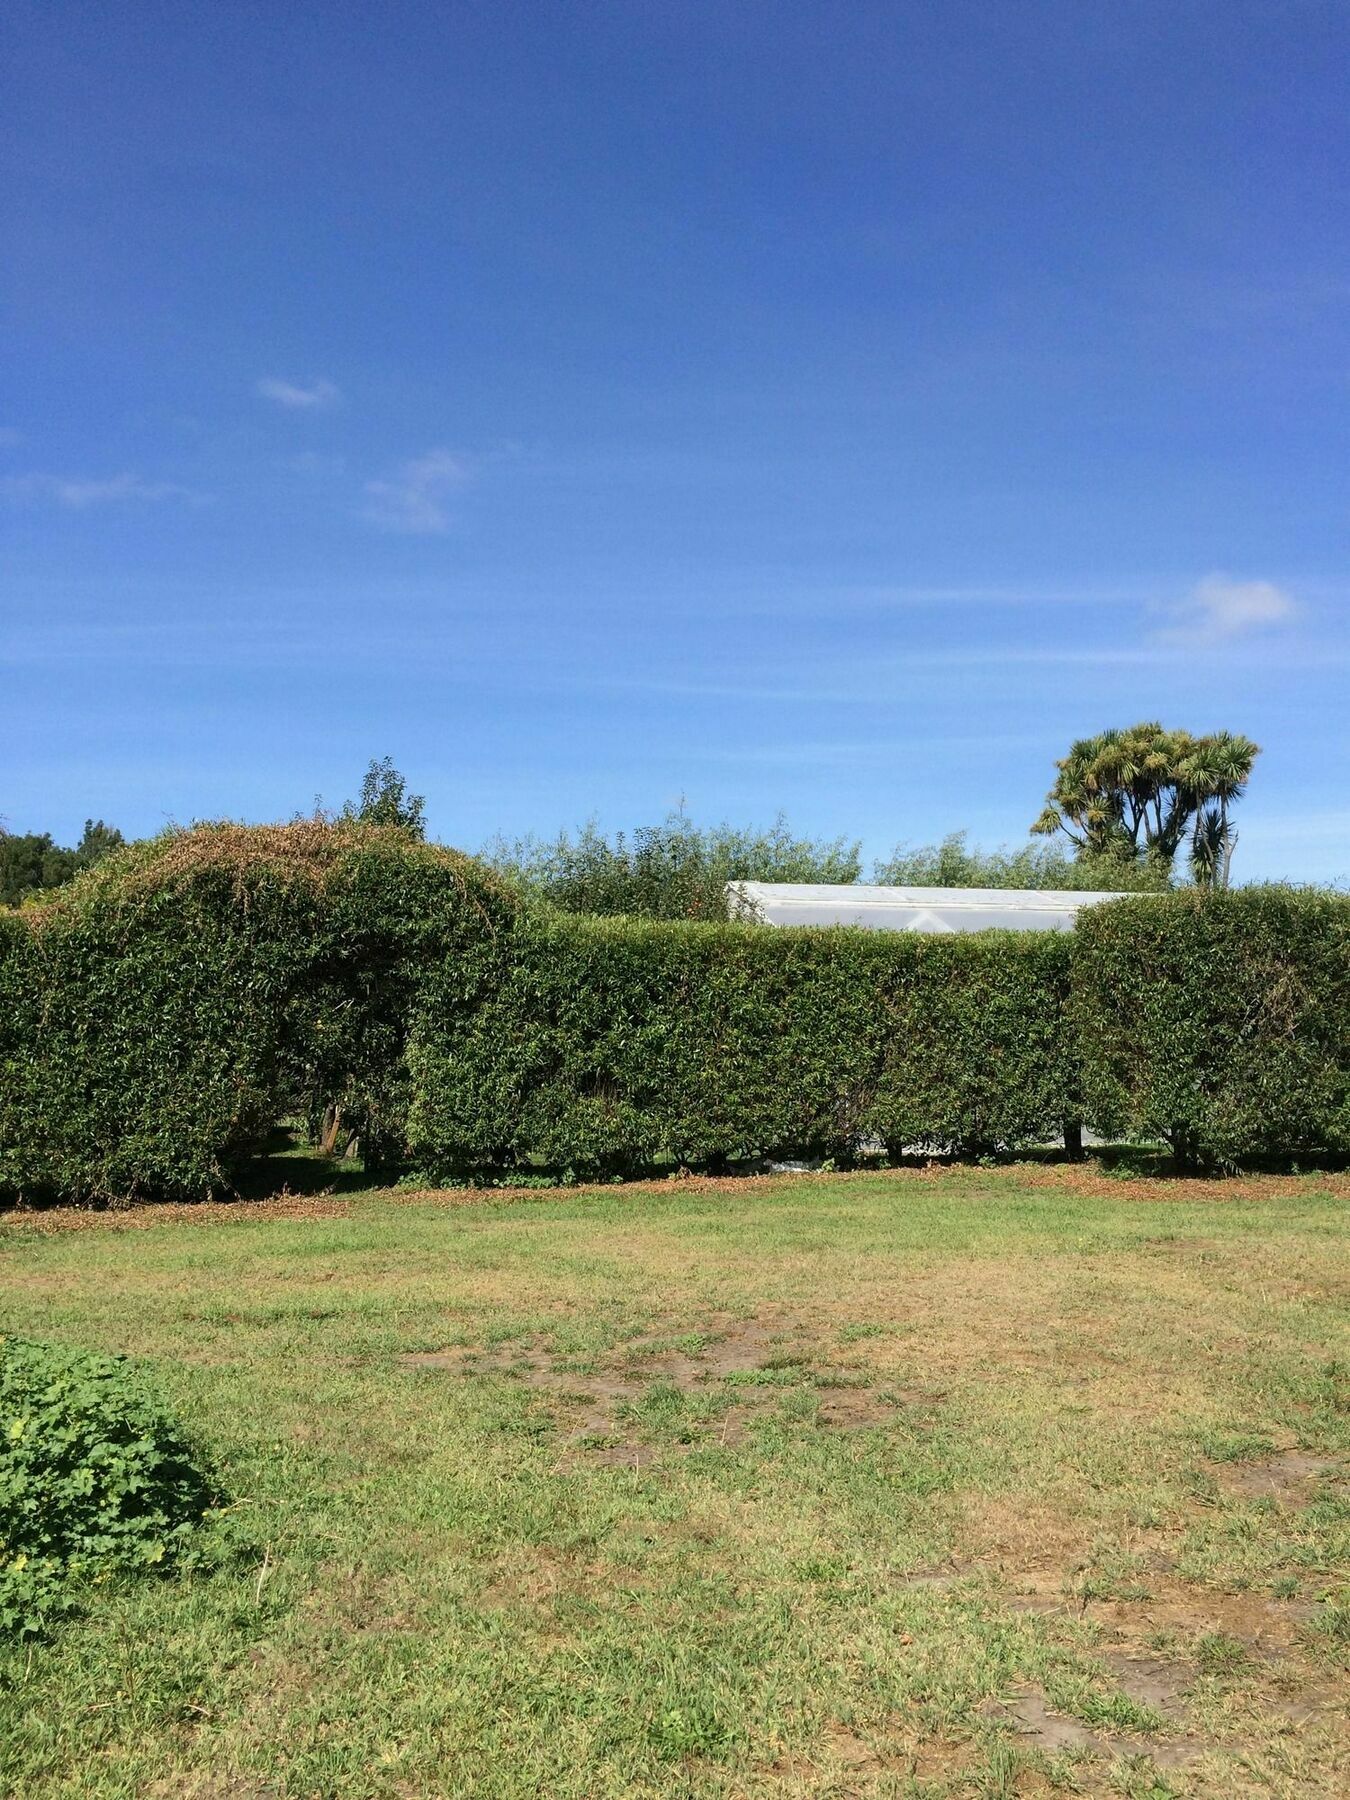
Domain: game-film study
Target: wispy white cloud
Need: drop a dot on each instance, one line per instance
(1219, 609)
(1019, 594)
(79, 491)
(316, 397)
(416, 497)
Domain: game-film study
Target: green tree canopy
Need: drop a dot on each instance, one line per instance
(99, 840)
(1140, 793)
(385, 800)
(33, 861)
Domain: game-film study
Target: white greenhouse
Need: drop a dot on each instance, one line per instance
(930, 909)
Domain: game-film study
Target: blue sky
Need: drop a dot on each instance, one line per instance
(835, 408)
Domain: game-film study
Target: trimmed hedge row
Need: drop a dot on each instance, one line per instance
(161, 1015)
(1219, 1023)
(612, 1043)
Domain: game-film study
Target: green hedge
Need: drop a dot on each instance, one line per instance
(159, 1017)
(21, 1049)
(168, 1008)
(1219, 1023)
(612, 1044)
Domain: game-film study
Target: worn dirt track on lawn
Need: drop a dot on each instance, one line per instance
(739, 1366)
(1086, 1180)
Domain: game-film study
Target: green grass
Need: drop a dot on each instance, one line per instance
(790, 1488)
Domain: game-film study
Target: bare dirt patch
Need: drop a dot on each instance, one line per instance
(729, 1369)
(1265, 1626)
(211, 1787)
(1148, 1680)
(934, 1581)
(845, 1763)
(1288, 1477)
(1227, 1672)
(1053, 1733)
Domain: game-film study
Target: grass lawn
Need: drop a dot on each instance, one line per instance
(1005, 1481)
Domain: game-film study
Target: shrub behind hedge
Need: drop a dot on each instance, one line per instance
(1219, 1022)
(610, 1044)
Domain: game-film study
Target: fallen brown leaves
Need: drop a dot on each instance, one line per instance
(1087, 1180)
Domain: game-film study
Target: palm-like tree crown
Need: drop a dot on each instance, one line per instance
(1138, 791)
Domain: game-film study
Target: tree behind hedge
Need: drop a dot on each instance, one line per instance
(1218, 1022)
(33, 862)
(1138, 794)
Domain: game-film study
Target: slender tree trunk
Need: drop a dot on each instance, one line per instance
(1229, 846)
(328, 1134)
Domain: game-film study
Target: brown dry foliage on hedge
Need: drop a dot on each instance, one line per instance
(304, 852)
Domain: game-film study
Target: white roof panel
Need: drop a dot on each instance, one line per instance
(928, 909)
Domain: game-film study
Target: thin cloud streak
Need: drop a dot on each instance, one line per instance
(78, 492)
(1016, 594)
(319, 396)
(849, 754)
(455, 654)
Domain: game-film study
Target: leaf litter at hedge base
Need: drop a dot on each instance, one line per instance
(1087, 1179)
(454, 1593)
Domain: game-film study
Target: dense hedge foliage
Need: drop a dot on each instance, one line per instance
(167, 1009)
(20, 1051)
(1220, 1022)
(95, 1479)
(164, 1012)
(612, 1043)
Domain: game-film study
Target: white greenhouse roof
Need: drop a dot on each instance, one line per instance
(932, 909)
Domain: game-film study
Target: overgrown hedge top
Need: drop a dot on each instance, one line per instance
(160, 1014)
(305, 855)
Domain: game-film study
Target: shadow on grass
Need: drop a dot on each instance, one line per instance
(288, 1164)
(1154, 1162)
